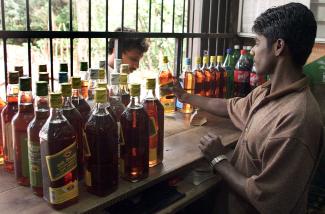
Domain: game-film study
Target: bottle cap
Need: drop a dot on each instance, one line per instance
(66, 89)
(124, 69)
(243, 52)
(25, 84)
(41, 88)
(151, 83)
(115, 78)
(198, 60)
(123, 79)
(248, 48)
(213, 59)
(43, 76)
(165, 59)
(13, 77)
(229, 51)
(135, 89)
(101, 73)
(76, 82)
(93, 73)
(236, 47)
(101, 85)
(56, 100)
(206, 59)
(187, 61)
(42, 68)
(117, 65)
(20, 70)
(102, 64)
(63, 77)
(83, 66)
(100, 95)
(220, 58)
(63, 67)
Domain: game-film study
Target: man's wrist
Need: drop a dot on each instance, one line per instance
(185, 97)
(215, 161)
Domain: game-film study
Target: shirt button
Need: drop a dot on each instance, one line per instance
(246, 129)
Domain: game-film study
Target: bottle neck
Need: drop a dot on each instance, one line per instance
(41, 106)
(12, 90)
(76, 92)
(150, 94)
(25, 97)
(134, 102)
(115, 90)
(67, 103)
(56, 115)
(101, 109)
(213, 64)
(165, 67)
(198, 67)
(124, 88)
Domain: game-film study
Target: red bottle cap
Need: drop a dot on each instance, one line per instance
(243, 52)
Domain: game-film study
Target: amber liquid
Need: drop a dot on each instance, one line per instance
(84, 88)
(155, 111)
(167, 100)
(76, 120)
(221, 82)
(7, 114)
(33, 129)
(101, 176)
(82, 106)
(135, 130)
(209, 82)
(60, 135)
(199, 82)
(19, 126)
(2, 105)
(213, 72)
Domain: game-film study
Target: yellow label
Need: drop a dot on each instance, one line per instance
(205, 59)
(135, 90)
(198, 60)
(66, 89)
(76, 82)
(153, 154)
(151, 83)
(87, 178)
(65, 193)
(123, 79)
(101, 73)
(55, 100)
(100, 95)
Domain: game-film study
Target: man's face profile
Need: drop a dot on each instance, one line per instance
(132, 57)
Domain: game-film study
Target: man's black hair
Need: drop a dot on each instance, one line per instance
(140, 44)
(294, 23)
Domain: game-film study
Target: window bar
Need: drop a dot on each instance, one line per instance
(218, 22)
(193, 10)
(4, 44)
(209, 27)
(226, 24)
(106, 42)
(188, 24)
(122, 21)
(173, 24)
(150, 2)
(51, 45)
(178, 54)
(89, 29)
(137, 15)
(183, 22)
(162, 16)
(28, 41)
(71, 39)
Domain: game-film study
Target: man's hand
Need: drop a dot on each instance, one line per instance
(176, 89)
(211, 146)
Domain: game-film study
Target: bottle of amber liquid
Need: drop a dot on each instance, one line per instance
(115, 97)
(75, 119)
(59, 157)
(19, 130)
(42, 113)
(7, 114)
(213, 71)
(77, 99)
(135, 133)
(155, 112)
(209, 81)
(188, 82)
(199, 78)
(166, 80)
(101, 174)
(221, 79)
(124, 88)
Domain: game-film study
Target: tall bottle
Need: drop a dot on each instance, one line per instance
(7, 114)
(166, 79)
(236, 54)
(199, 78)
(101, 174)
(213, 73)
(83, 73)
(229, 66)
(19, 130)
(115, 97)
(75, 119)
(77, 99)
(124, 89)
(93, 78)
(155, 111)
(135, 132)
(256, 79)
(242, 75)
(59, 157)
(209, 81)
(2, 105)
(188, 82)
(221, 79)
(34, 150)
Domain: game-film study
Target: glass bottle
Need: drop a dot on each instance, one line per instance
(236, 54)
(19, 130)
(101, 75)
(213, 73)
(75, 119)
(124, 69)
(59, 157)
(101, 173)
(83, 73)
(242, 75)
(221, 79)
(155, 112)
(166, 79)
(199, 78)
(93, 78)
(117, 65)
(115, 97)
(229, 66)
(124, 88)
(77, 99)
(2, 105)
(135, 133)
(188, 82)
(208, 80)
(34, 150)
(7, 114)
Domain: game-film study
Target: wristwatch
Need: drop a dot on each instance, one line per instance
(216, 160)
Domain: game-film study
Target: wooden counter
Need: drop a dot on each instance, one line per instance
(181, 153)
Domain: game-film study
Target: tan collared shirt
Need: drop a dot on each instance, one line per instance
(278, 148)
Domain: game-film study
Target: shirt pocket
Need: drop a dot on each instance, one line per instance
(253, 162)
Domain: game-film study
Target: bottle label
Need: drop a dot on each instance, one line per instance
(253, 81)
(65, 193)
(61, 163)
(35, 167)
(9, 141)
(87, 178)
(241, 76)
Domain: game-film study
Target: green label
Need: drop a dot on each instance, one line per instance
(24, 156)
(35, 167)
(61, 163)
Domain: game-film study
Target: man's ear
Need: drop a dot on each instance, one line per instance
(278, 47)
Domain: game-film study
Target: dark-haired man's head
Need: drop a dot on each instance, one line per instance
(132, 49)
(292, 27)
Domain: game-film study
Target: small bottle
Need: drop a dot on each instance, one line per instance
(166, 79)
(75, 119)
(209, 81)
(42, 113)
(19, 130)
(93, 78)
(199, 78)
(77, 99)
(115, 97)
(221, 79)
(188, 82)
(7, 114)
(83, 73)
(101, 174)
(59, 157)
(155, 111)
(124, 89)
(236, 54)
(229, 66)
(213, 73)
(242, 75)
(135, 136)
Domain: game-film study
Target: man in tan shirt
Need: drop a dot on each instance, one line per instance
(281, 140)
